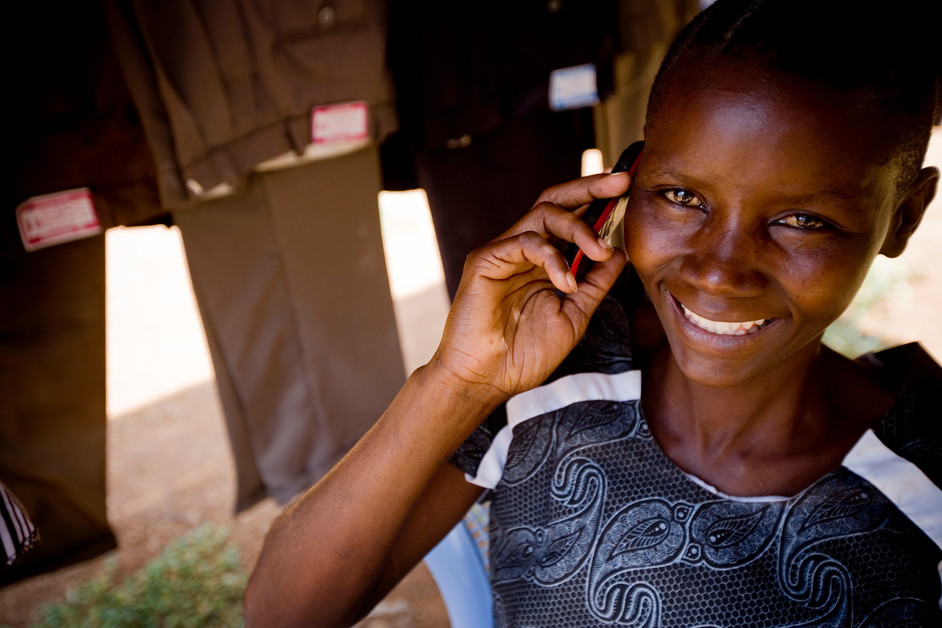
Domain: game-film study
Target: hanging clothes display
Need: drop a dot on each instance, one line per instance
(264, 118)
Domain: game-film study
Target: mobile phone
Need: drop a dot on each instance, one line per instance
(605, 215)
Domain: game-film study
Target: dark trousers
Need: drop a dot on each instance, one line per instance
(52, 400)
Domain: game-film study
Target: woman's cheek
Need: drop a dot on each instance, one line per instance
(651, 234)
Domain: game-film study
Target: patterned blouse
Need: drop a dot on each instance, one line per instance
(591, 524)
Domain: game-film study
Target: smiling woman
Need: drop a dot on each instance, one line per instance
(689, 453)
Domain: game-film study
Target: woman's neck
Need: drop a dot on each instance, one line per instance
(773, 435)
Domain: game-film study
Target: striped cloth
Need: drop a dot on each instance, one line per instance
(17, 532)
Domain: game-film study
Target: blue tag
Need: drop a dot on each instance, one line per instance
(574, 87)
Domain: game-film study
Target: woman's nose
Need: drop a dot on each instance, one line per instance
(724, 263)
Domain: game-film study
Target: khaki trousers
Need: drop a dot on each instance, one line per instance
(290, 279)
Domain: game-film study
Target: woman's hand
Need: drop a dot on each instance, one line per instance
(393, 496)
(518, 310)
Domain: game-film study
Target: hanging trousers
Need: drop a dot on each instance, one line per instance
(290, 279)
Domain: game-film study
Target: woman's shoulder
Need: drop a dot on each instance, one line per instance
(912, 428)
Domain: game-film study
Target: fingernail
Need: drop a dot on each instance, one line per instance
(573, 287)
(604, 244)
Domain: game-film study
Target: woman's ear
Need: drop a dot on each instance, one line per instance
(909, 212)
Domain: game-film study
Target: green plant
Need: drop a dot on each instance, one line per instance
(197, 581)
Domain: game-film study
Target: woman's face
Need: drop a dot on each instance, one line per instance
(755, 214)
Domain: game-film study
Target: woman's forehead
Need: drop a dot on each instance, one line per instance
(761, 110)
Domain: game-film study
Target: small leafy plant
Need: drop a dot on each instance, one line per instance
(197, 581)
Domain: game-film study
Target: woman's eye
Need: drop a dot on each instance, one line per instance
(803, 221)
(683, 197)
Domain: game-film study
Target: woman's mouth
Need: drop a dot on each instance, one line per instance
(723, 328)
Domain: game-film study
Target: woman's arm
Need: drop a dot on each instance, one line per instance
(336, 551)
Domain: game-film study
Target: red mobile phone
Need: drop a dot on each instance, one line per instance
(605, 214)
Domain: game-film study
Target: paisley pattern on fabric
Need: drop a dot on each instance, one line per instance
(688, 557)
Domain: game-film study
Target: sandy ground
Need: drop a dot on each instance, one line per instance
(170, 468)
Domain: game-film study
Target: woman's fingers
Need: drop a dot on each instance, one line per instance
(556, 213)
(568, 198)
(517, 254)
(575, 194)
(581, 304)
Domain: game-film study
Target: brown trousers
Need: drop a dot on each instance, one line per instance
(52, 400)
(291, 283)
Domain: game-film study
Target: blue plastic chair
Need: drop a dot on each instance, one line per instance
(459, 565)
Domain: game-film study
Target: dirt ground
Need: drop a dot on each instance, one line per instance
(169, 465)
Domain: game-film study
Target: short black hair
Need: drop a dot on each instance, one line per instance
(884, 53)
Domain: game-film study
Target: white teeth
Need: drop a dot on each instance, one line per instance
(724, 329)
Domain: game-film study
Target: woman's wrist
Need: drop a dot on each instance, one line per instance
(466, 401)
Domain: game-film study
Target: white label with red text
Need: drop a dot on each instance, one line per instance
(56, 218)
(342, 122)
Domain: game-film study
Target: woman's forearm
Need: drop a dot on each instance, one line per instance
(327, 553)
